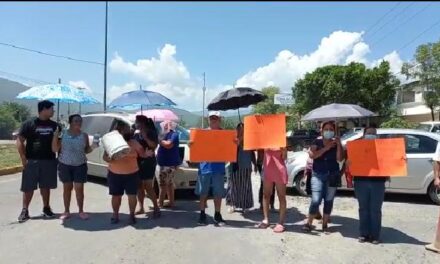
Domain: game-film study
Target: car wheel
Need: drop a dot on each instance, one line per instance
(434, 193)
(301, 184)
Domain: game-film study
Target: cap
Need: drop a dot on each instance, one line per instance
(214, 113)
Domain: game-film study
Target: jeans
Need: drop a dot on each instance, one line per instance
(370, 195)
(321, 191)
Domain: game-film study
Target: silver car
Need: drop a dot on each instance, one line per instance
(101, 123)
(420, 149)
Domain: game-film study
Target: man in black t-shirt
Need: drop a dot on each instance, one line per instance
(34, 145)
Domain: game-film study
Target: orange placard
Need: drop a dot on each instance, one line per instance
(213, 145)
(380, 157)
(264, 131)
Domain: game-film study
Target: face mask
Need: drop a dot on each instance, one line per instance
(328, 134)
(369, 136)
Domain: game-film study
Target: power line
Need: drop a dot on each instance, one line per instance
(393, 18)
(402, 24)
(418, 36)
(49, 54)
(25, 78)
(382, 17)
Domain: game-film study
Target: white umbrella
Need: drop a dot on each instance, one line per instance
(337, 112)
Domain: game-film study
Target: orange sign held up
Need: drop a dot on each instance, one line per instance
(264, 131)
(380, 157)
(213, 145)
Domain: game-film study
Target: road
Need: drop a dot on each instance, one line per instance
(409, 223)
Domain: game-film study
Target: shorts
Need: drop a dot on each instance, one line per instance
(216, 181)
(39, 173)
(69, 174)
(147, 169)
(166, 175)
(118, 184)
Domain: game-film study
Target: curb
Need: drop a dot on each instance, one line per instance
(11, 170)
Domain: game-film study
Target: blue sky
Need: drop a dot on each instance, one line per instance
(232, 42)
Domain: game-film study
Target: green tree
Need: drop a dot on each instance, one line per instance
(18, 111)
(7, 124)
(426, 69)
(397, 122)
(269, 107)
(354, 83)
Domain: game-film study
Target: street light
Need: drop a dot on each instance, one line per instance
(105, 58)
(204, 93)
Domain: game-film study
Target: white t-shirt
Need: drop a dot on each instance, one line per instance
(437, 153)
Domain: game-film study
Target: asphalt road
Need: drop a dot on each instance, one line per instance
(409, 223)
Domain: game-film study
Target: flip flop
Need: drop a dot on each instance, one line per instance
(83, 216)
(279, 228)
(262, 225)
(431, 247)
(65, 216)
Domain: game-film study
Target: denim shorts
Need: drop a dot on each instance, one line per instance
(206, 181)
(69, 174)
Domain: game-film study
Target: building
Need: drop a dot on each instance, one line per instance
(411, 103)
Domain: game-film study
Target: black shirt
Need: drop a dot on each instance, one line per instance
(327, 162)
(38, 135)
(152, 135)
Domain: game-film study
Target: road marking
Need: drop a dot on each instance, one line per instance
(9, 180)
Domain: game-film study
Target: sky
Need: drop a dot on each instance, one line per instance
(166, 46)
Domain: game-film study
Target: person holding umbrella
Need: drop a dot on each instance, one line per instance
(326, 152)
(240, 185)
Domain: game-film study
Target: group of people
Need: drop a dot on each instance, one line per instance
(46, 151)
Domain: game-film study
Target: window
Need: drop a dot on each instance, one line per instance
(183, 133)
(97, 124)
(416, 144)
(436, 129)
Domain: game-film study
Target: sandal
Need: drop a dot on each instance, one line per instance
(142, 211)
(65, 216)
(279, 228)
(262, 225)
(83, 216)
(132, 220)
(114, 221)
(307, 228)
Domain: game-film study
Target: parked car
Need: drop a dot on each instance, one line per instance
(420, 149)
(300, 139)
(430, 126)
(101, 123)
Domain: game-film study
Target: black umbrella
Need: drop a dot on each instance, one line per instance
(236, 98)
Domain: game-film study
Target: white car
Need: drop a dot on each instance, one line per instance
(101, 123)
(420, 149)
(433, 126)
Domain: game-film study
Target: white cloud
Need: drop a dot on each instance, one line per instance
(338, 48)
(80, 84)
(395, 64)
(164, 69)
(169, 76)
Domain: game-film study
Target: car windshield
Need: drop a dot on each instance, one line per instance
(183, 132)
(349, 135)
(424, 127)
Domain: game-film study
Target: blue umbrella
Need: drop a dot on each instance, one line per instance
(59, 93)
(137, 99)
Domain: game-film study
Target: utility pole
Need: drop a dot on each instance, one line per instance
(105, 58)
(204, 92)
(58, 104)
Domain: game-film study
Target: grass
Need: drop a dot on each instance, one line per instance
(9, 156)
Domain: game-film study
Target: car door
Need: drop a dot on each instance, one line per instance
(97, 125)
(419, 153)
